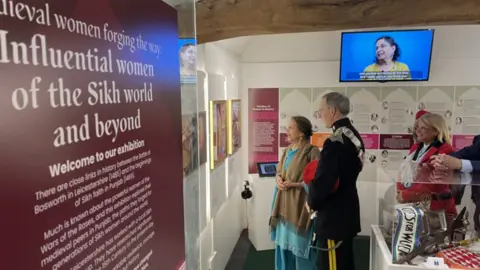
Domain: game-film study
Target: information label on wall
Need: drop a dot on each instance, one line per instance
(467, 111)
(90, 160)
(263, 126)
(398, 109)
(393, 150)
(371, 143)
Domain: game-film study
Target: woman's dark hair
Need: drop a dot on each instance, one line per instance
(186, 46)
(392, 43)
(304, 126)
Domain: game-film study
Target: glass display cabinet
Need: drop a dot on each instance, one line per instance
(427, 219)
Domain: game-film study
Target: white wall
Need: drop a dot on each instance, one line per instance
(222, 210)
(312, 60)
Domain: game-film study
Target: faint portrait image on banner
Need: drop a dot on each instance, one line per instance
(189, 143)
(218, 132)
(235, 128)
(188, 63)
(202, 137)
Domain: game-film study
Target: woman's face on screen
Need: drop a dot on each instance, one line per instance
(188, 56)
(384, 50)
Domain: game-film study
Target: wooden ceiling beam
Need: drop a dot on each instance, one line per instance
(223, 19)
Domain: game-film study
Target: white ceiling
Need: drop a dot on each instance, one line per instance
(234, 45)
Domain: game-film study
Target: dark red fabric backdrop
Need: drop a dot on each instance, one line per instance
(27, 150)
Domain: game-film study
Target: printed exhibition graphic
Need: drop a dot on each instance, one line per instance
(383, 115)
(91, 160)
(263, 126)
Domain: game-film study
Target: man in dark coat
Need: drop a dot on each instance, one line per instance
(337, 219)
(466, 160)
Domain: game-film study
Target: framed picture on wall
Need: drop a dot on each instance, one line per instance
(234, 126)
(202, 137)
(218, 132)
(189, 143)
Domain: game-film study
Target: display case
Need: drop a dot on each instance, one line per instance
(427, 219)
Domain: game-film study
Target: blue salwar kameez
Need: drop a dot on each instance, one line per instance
(292, 250)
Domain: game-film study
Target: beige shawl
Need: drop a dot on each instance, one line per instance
(289, 205)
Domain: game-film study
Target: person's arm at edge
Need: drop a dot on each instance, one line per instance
(469, 166)
(464, 153)
(467, 154)
(326, 175)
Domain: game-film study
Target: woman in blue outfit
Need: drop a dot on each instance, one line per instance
(290, 223)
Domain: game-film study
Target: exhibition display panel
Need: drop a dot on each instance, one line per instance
(424, 222)
(91, 134)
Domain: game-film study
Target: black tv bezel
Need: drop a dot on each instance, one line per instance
(386, 31)
(259, 165)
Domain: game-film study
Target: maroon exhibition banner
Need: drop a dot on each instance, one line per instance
(90, 136)
(396, 141)
(284, 140)
(263, 126)
(461, 141)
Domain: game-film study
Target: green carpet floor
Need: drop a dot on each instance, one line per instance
(264, 260)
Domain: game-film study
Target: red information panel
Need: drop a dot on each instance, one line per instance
(90, 160)
(371, 141)
(461, 141)
(284, 140)
(263, 126)
(396, 141)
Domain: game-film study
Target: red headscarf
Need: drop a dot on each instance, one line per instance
(420, 114)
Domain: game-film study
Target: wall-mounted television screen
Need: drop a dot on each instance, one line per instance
(402, 55)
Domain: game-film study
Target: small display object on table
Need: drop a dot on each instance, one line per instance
(218, 133)
(425, 214)
(234, 126)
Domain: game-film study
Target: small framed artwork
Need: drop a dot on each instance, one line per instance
(218, 133)
(189, 143)
(234, 126)
(202, 135)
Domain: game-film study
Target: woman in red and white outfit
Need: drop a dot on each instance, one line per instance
(433, 138)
